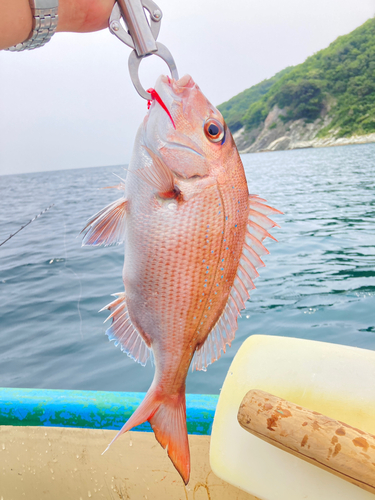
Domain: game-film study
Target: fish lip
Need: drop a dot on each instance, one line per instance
(179, 145)
(178, 86)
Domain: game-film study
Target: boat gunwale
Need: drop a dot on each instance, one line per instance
(92, 409)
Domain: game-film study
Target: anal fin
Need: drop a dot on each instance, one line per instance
(220, 336)
(123, 332)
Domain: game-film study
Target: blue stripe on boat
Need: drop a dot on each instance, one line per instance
(92, 409)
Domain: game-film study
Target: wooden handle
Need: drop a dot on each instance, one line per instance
(329, 444)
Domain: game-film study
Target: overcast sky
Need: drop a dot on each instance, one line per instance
(71, 104)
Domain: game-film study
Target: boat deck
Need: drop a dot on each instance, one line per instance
(51, 445)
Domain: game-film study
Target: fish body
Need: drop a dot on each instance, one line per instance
(193, 239)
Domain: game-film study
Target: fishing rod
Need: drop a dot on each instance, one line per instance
(30, 221)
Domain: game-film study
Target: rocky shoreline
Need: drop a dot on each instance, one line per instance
(275, 135)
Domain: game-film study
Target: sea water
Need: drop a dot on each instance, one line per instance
(318, 283)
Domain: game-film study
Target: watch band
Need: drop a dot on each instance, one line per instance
(45, 19)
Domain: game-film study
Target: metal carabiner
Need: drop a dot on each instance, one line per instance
(140, 36)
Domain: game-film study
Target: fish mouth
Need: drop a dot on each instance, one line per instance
(186, 81)
(178, 86)
(171, 90)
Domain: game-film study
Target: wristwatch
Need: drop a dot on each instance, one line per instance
(45, 19)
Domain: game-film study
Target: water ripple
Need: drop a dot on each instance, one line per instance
(318, 284)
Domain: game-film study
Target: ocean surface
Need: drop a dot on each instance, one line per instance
(319, 282)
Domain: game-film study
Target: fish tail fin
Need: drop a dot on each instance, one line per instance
(143, 413)
(169, 426)
(167, 416)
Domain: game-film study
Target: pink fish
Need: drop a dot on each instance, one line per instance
(193, 241)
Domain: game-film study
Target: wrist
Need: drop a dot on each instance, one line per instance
(15, 22)
(84, 16)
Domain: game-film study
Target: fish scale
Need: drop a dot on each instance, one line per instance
(192, 238)
(175, 263)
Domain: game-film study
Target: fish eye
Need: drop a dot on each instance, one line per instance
(214, 130)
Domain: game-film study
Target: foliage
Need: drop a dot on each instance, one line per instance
(343, 74)
(303, 99)
(233, 110)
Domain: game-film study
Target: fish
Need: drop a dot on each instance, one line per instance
(193, 240)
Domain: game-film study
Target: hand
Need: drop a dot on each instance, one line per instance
(83, 16)
(80, 16)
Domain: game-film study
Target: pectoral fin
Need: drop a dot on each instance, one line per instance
(107, 226)
(159, 176)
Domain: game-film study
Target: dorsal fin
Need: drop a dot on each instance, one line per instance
(256, 204)
(123, 332)
(107, 226)
(255, 244)
(223, 332)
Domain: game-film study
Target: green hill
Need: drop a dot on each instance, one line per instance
(338, 81)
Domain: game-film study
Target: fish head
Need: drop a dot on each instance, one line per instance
(188, 132)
